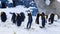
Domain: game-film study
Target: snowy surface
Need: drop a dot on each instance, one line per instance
(47, 2)
(9, 28)
(10, 1)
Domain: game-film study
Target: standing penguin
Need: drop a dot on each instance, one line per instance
(51, 18)
(13, 19)
(43, 20)
(14, 3)
(18, 20)
(37, 18)
(3, 3)
(29, 20)
(22, 16)
(3, 16)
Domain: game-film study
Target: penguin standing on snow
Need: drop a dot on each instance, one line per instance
(29, 20)
(14, 3)
(18, 20)
(3, 16)
(43, 20)
(22, 16)
(4, 3)
(37, 18)
(13, 19)
(51, 18)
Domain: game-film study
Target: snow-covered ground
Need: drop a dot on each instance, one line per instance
(9, 28)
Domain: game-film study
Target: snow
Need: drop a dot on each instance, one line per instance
(47, 2)
(10, 1)
(56, 17)
(9, 28)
